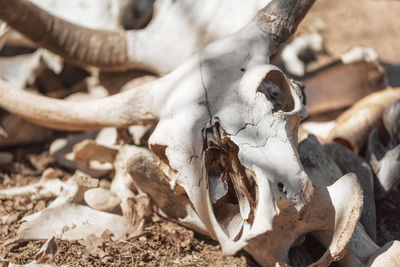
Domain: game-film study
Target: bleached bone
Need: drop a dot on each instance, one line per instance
(333, 161)
(360, 53)
(46, 188)
(4, 33)
(341, 84)
(199, 21)
(384, 157)
(101, 199)
(311, 43)
(68, 219)
(322, 170)
(355, 124)
(349, 162)
(276, 243)
(21, 70)
(222, 115)
(62, 151)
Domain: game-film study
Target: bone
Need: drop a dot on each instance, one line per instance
(339, 216)
(319, 129)
(349, 162)
(68, 219)
(88, 150)
(46, 252)
(338, 85)
(247, 122)
(61, 150)
(384, 163)
(310, 44)
(101, 199)
(46, 188)
(333, 161)
(361, 247)
(21, 70)
(354, 125)
(73, 222)
(131, 48)
(383, 157)
(388, 255)
(4, 33)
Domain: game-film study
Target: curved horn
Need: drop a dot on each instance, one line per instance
(103, 49)
(121, 110)
(354, 125)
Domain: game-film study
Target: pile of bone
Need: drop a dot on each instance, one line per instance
(222, 151)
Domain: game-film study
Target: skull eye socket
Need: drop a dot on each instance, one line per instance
(277, 90)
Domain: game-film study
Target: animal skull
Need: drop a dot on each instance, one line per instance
(226, 137)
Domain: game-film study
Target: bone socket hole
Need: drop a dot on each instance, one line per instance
(281, 188)
(277, 90)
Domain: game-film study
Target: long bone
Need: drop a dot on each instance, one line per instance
(353, 126)
(199, 21)
(227, 125)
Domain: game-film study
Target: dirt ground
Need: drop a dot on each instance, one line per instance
(343, 24)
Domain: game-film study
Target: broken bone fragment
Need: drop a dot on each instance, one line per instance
(384, 156)
(230, 113)
(67, 218)
(62, 151)
(73, 222)
(304, 46)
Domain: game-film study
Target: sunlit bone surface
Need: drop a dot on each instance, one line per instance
(158, 47)
(227, 127)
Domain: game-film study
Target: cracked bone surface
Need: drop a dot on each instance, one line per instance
(225, 140)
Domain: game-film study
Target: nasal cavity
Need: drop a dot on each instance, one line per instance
(277, 90)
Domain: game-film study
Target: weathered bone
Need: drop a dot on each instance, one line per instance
(361, 247)
(349, 162)
(131, 49)
(354, 125)
(4, 33)
(65, 217)
(310, 44)
(222, 114)
(384, 157)
(338, 85)
(319, 214)
(94, 14)
(333, 161)
(21, 70)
